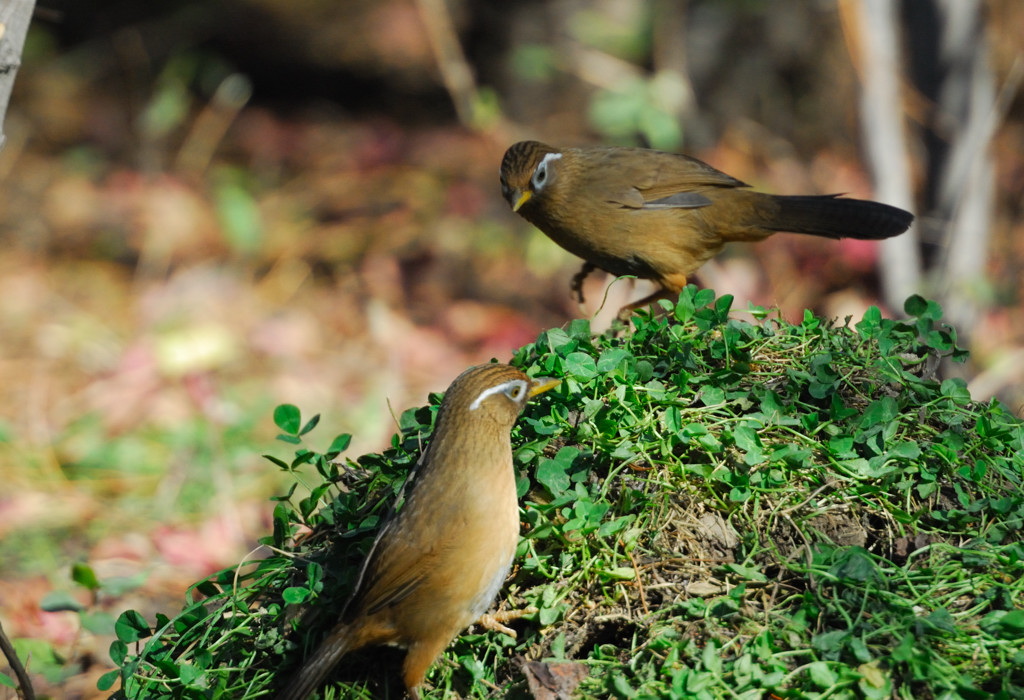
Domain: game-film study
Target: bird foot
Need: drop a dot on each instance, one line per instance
(626, 312)
(577, 280)
(495, 622)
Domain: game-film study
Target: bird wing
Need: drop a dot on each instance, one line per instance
(401, 559)
(654, 179)
(394, 570)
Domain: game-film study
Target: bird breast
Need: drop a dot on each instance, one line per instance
(496, 515)
(474, 518)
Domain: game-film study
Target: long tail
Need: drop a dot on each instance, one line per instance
(834, 217)
(316, 668)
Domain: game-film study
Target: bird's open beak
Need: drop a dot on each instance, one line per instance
(522, 199)
(542, 384)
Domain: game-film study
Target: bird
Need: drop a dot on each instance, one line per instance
(440, 559)
(660, 216)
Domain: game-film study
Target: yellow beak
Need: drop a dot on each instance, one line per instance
(523, 198)
(542, 384)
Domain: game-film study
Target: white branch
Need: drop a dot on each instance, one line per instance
(15, 16)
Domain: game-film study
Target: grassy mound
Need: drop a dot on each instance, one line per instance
(711, 508)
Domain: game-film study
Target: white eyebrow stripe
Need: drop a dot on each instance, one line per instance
(500, 388)
(550, 157)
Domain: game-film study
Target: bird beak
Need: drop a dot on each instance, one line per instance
(542, 384)
(522, 199)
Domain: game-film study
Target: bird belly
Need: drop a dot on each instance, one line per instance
(497, 549)
(612, 251)
(655, 244)
(469, 564)
(491, 580)
(487, 595)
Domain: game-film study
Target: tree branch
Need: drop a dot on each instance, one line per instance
(12, 658)
(14, 20)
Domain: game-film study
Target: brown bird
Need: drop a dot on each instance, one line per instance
(441, 558)
(660, 216)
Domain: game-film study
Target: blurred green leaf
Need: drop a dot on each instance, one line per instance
(84, 576)
(340, 443)
(288, 418)
(131, 627)
(60, 601)
(239, 214)
(533, 62)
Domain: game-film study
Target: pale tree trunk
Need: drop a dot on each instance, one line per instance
(876, 46)
(950, 68)
(952, 95)
(14, 18)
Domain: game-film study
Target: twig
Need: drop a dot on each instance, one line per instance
(639, 583)
(12, 658)
(451, 61)
(212, 124)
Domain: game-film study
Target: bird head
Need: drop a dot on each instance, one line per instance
(527, 168)
(490, 392)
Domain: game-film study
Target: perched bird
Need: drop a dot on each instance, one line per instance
(660, 216)
(441, 558)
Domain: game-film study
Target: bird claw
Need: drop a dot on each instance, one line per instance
(651, 300)
(577, 280)
(495, 622)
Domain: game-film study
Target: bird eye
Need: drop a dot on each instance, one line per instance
(540, 175)
(515, 391)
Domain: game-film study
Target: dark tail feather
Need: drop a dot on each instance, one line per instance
(315, 669)
(833, 217)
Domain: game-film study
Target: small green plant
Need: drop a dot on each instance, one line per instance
(711, 508)
(49, 662)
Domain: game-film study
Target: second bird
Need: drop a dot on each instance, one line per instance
(439, 561)
(660, 216)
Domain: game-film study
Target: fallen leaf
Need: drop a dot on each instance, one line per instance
(551, 681)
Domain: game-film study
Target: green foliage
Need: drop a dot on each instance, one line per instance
(237, 210)
(648, 107)
(126, 470)
(711, 508)
(39, 656)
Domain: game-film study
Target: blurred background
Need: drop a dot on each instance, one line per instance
(208, 209)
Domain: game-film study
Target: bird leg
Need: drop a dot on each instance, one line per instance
(577, 280)
(626, 311)
(669, 287)
(495, 622)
